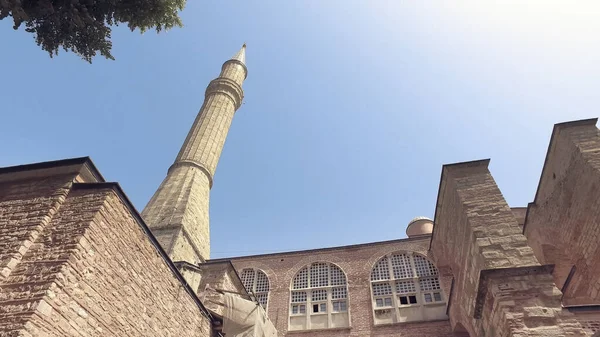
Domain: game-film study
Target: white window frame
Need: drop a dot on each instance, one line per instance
(418, 294)
(328, 301)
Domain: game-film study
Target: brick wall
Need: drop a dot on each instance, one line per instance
(84, 266)
(357, 263)
(563, 222)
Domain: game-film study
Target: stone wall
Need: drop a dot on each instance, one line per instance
(218, 276)
(27, 205)
(357, 263)
(178, 214)
(500, 288)
(77, 262)
(563, 222)
(588, 317)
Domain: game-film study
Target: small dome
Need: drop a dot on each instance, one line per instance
(420, 225)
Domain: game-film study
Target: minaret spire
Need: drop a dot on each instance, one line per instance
(241, 54)
(177, 213)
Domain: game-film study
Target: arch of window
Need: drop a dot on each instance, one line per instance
(319, 297)
(404, 280)
(256, 282)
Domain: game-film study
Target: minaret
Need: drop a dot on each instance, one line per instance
(177, 214)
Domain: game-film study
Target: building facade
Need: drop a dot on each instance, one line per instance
(77, 259)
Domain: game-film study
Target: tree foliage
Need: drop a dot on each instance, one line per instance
(83, 26)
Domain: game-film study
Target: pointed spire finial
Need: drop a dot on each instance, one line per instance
(241, 55)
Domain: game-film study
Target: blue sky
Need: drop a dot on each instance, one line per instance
(351, 107)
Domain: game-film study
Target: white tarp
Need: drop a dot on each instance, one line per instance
(243, 318)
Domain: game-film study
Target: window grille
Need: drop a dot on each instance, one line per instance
(337, 277)
(298, 296)
(301, 279)
(323, 288)
(319, 275)
(430, 283)
(247, 278)
(256, 282)
(339, 293)
(401, 266)
(405, 287)
(424, 267)
(382, 289)
(401, 280)
(262, 282)
(381, 270)
(319, 295)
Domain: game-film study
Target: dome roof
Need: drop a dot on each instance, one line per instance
(420, 225)
(419, 218)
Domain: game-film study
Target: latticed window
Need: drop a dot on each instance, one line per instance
(319, 292)
(403, 280)
(256, 282)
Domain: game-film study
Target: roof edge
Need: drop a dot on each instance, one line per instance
(468, 164)
(437, 204)
(555, 130)
(87, 161)
(579, 122)
(93, 170)
(358, 245)
(465, 164)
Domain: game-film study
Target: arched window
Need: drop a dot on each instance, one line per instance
(319, 298)
(405, 287)
(256, 282)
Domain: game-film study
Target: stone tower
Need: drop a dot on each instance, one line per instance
(178, 211)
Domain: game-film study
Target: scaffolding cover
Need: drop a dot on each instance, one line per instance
(245, 318)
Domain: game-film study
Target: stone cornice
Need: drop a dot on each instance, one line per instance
(487, 274)
(238, 62)
(193, 164)
(324, 250)
(227, 87)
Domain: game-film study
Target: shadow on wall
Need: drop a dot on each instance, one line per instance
(560, 260)
(461, 331)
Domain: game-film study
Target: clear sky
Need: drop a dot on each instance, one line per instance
(351, 109)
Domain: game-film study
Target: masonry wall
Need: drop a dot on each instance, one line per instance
(357, 263)
(77, 263)
(588, 317)
(218, 276)
(26, 207)
(178, 214)
(500, 288)
(27, 204)
(563, 222)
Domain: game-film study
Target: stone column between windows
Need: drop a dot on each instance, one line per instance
(395, 299)
(420, 295)
(329, 302)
